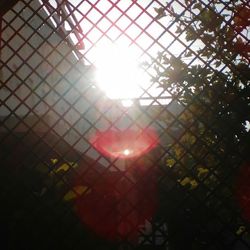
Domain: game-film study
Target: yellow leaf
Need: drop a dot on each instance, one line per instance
(178, 152)
(189, 138)
(170, 162)
(188, 181)
(73, 164)
(75, 192)
(69, 196)
(81, 189)
(194, 184)
(185, 181)
(65, 166)
(54, 161)
(192, 139)
(202, 172)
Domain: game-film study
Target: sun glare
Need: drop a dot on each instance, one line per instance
(126, 152)
(117, 71)
(125, 144)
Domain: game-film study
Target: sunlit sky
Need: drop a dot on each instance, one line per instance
(118, 36)
(133, 33)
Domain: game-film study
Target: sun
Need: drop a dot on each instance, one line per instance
(117, 71)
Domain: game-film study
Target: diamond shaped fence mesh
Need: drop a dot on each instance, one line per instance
(125, 124)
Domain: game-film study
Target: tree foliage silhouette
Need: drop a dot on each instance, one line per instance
(212, 85)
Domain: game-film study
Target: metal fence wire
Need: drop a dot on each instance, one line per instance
(124, 124)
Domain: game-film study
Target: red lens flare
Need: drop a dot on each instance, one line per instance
(115, 207)
(243, 190)
(125, 144)
(119, 202)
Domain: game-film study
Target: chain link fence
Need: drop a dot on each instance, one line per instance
(125, 124)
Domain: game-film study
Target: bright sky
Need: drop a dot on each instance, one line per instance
(119, 35)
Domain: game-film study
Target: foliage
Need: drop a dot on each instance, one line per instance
(212, 84)
(36, 194)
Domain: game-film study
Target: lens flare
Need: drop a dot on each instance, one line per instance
(126, 152)
(243, 191)
(125, 144)
(114, 208)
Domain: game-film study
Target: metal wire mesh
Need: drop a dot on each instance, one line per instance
(61, 188)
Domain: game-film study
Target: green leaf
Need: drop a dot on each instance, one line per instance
(178, 30)
(188, 53)
(217, 63)
(198, 6)
(160, 12)
(191, 34)
(165, 60)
